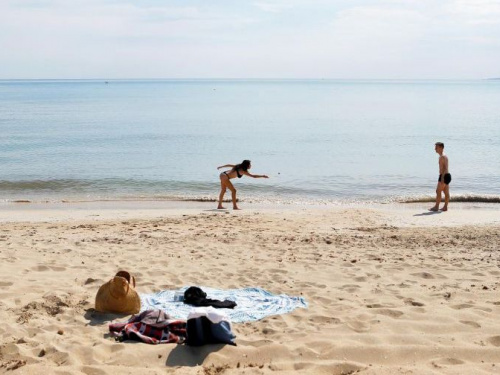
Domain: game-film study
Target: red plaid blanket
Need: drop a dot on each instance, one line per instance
(150, 329)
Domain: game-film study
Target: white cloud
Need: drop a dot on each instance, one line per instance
(267, 38)
(474, 12)
(272, 7)
(278, 6)
(380, 25)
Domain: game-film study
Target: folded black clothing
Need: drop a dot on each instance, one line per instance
(197, 297)
(201, 331)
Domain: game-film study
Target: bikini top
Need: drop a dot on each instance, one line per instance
(238, 173)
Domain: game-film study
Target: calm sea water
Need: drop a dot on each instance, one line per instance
(318, 140)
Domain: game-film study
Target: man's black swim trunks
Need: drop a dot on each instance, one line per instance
(447, 178)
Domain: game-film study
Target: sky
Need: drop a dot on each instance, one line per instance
(337, 39)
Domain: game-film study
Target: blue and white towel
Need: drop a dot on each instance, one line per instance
(253, 303)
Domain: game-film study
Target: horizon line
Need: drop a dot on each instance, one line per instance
(248, 79)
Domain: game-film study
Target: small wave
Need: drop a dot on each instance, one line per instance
(202, 200)
(466, 198)
(42, 185)
(120, 199)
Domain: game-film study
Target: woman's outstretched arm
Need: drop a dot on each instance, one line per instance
(226, 166)
(255, 175)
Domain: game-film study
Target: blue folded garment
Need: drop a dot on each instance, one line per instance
(201, 331)
(252, 303)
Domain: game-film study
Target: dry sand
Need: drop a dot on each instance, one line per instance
(390, 290)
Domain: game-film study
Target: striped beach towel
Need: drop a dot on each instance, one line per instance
(252, 303)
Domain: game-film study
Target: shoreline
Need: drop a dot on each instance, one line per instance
(396, 214)
(479, 198)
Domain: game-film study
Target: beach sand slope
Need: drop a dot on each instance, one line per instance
(389, 292)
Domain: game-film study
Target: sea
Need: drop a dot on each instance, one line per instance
(319, 141)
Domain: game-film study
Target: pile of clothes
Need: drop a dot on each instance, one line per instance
(204, 325)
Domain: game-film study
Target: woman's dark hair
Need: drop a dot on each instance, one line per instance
(243, 166)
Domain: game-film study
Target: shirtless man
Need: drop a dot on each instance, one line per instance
(444, 179)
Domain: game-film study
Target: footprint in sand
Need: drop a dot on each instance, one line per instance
(404, 286)
(336, 368)
(411, 302)
(446, 362)
(40, 268)
(388, 312)
(423, 275)
(485, 309)
(358, 326)
(351, 288)
(361, 323)
(322, 300)
(59, 358)
(320, 286)
(116, 348)
(375, 306)
(58, 269)
(255, 344)
(494, 340)
(5, 283)
(268, 331)
(470, 323)
(379, 305)
(275, 270)
(92, 371)
(462, 306)
(323, 319)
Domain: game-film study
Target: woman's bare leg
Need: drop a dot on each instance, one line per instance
(222, 192)
(233, 194)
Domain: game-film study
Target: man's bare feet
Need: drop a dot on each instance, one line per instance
(444, 209)
(434, 209)
(236, 208)
(221, 208)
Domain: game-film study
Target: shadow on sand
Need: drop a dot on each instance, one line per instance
(97, 318)
(224, 210)
(184, 355)
(429, 213)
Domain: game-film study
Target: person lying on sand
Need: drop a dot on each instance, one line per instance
(238, 170)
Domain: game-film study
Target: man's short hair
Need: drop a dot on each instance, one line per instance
(440, 144)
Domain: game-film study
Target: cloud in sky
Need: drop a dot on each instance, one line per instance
(254, 39)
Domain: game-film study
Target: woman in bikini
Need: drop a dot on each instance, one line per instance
(237, 170)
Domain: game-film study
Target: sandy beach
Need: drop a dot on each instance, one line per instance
(391, 290)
